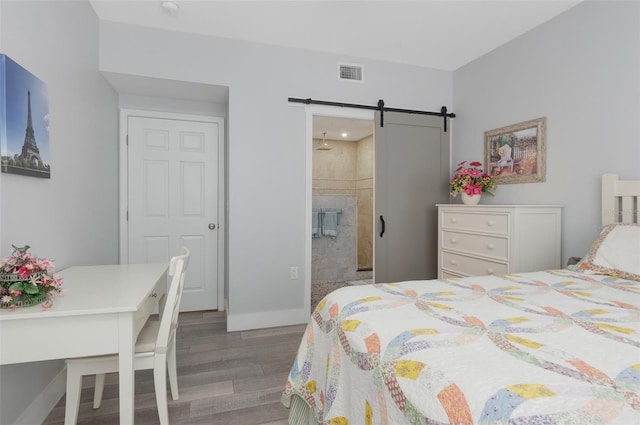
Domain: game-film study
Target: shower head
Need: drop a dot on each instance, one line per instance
(324, 146)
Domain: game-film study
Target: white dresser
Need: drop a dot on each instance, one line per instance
(476, 240)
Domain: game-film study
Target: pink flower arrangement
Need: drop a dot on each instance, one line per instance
(471, 180)
(25, 279)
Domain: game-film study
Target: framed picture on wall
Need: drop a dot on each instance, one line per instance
(24, 121)
(516, 153)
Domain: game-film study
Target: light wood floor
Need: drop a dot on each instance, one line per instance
(233, 378)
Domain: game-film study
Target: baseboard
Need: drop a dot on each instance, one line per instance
(44, 403)
(266, 319)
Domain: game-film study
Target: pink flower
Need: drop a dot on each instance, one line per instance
(470, 178)
(473, 189)
(57, 283)
(31, 273)
(24, 271)
(474, 172)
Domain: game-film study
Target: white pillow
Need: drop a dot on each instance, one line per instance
(616, 252)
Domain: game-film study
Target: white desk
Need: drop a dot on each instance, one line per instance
(101, 312)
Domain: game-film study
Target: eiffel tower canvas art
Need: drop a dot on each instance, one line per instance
(24, 121)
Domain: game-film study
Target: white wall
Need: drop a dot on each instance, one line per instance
(72, 217)
(582, 71)
(169, 105)
(266, 146)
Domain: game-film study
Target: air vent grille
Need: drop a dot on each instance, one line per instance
(350, 72)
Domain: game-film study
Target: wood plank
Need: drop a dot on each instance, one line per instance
(233, 378)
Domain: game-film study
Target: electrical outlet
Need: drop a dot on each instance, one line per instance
(293, 272)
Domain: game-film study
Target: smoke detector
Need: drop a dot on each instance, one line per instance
(170, 6)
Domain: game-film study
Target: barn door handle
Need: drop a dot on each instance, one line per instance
(383, 225)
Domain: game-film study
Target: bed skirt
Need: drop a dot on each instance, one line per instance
(299, 412)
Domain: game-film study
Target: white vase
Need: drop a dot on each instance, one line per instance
(470, 199)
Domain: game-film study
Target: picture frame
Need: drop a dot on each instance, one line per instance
(516, 153)
(24, 122)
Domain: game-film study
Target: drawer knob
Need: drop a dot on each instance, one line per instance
(489, 270)
(454, 262)
(454, 240)
(454, 220)
(490, 246)
(491, 223)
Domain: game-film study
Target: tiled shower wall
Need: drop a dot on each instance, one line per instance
(343, 179)
(364, 194)
(335, 259)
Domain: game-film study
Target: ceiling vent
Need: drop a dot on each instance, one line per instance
(350, 72)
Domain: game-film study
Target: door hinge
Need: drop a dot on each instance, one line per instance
(127, 216)
(127, 140)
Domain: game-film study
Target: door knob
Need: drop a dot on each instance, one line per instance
(212, 226)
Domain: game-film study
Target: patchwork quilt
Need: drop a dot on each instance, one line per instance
(549, 347)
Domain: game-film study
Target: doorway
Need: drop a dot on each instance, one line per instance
(412, 168)
(342, 200)
(172, 170)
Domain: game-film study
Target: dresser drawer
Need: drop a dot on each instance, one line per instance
(476, 222)
(461, 264)
(484, 245)
(449, 275)
(498, 239)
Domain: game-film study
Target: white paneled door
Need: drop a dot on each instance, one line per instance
(173, 200)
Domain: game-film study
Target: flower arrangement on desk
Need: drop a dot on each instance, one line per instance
(26, 280)
(471, 180)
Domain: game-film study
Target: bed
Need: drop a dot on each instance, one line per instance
(546, 347)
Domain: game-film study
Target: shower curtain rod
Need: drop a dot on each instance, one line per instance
(380, 107)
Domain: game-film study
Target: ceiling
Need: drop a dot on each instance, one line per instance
(348, 129)
(445, 34)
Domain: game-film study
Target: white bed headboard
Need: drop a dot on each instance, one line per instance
(620, 200)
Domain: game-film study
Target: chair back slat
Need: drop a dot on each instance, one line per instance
(169, 319)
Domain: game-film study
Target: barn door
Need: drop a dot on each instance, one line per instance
(412, 175)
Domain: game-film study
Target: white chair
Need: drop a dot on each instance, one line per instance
(155, 349)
